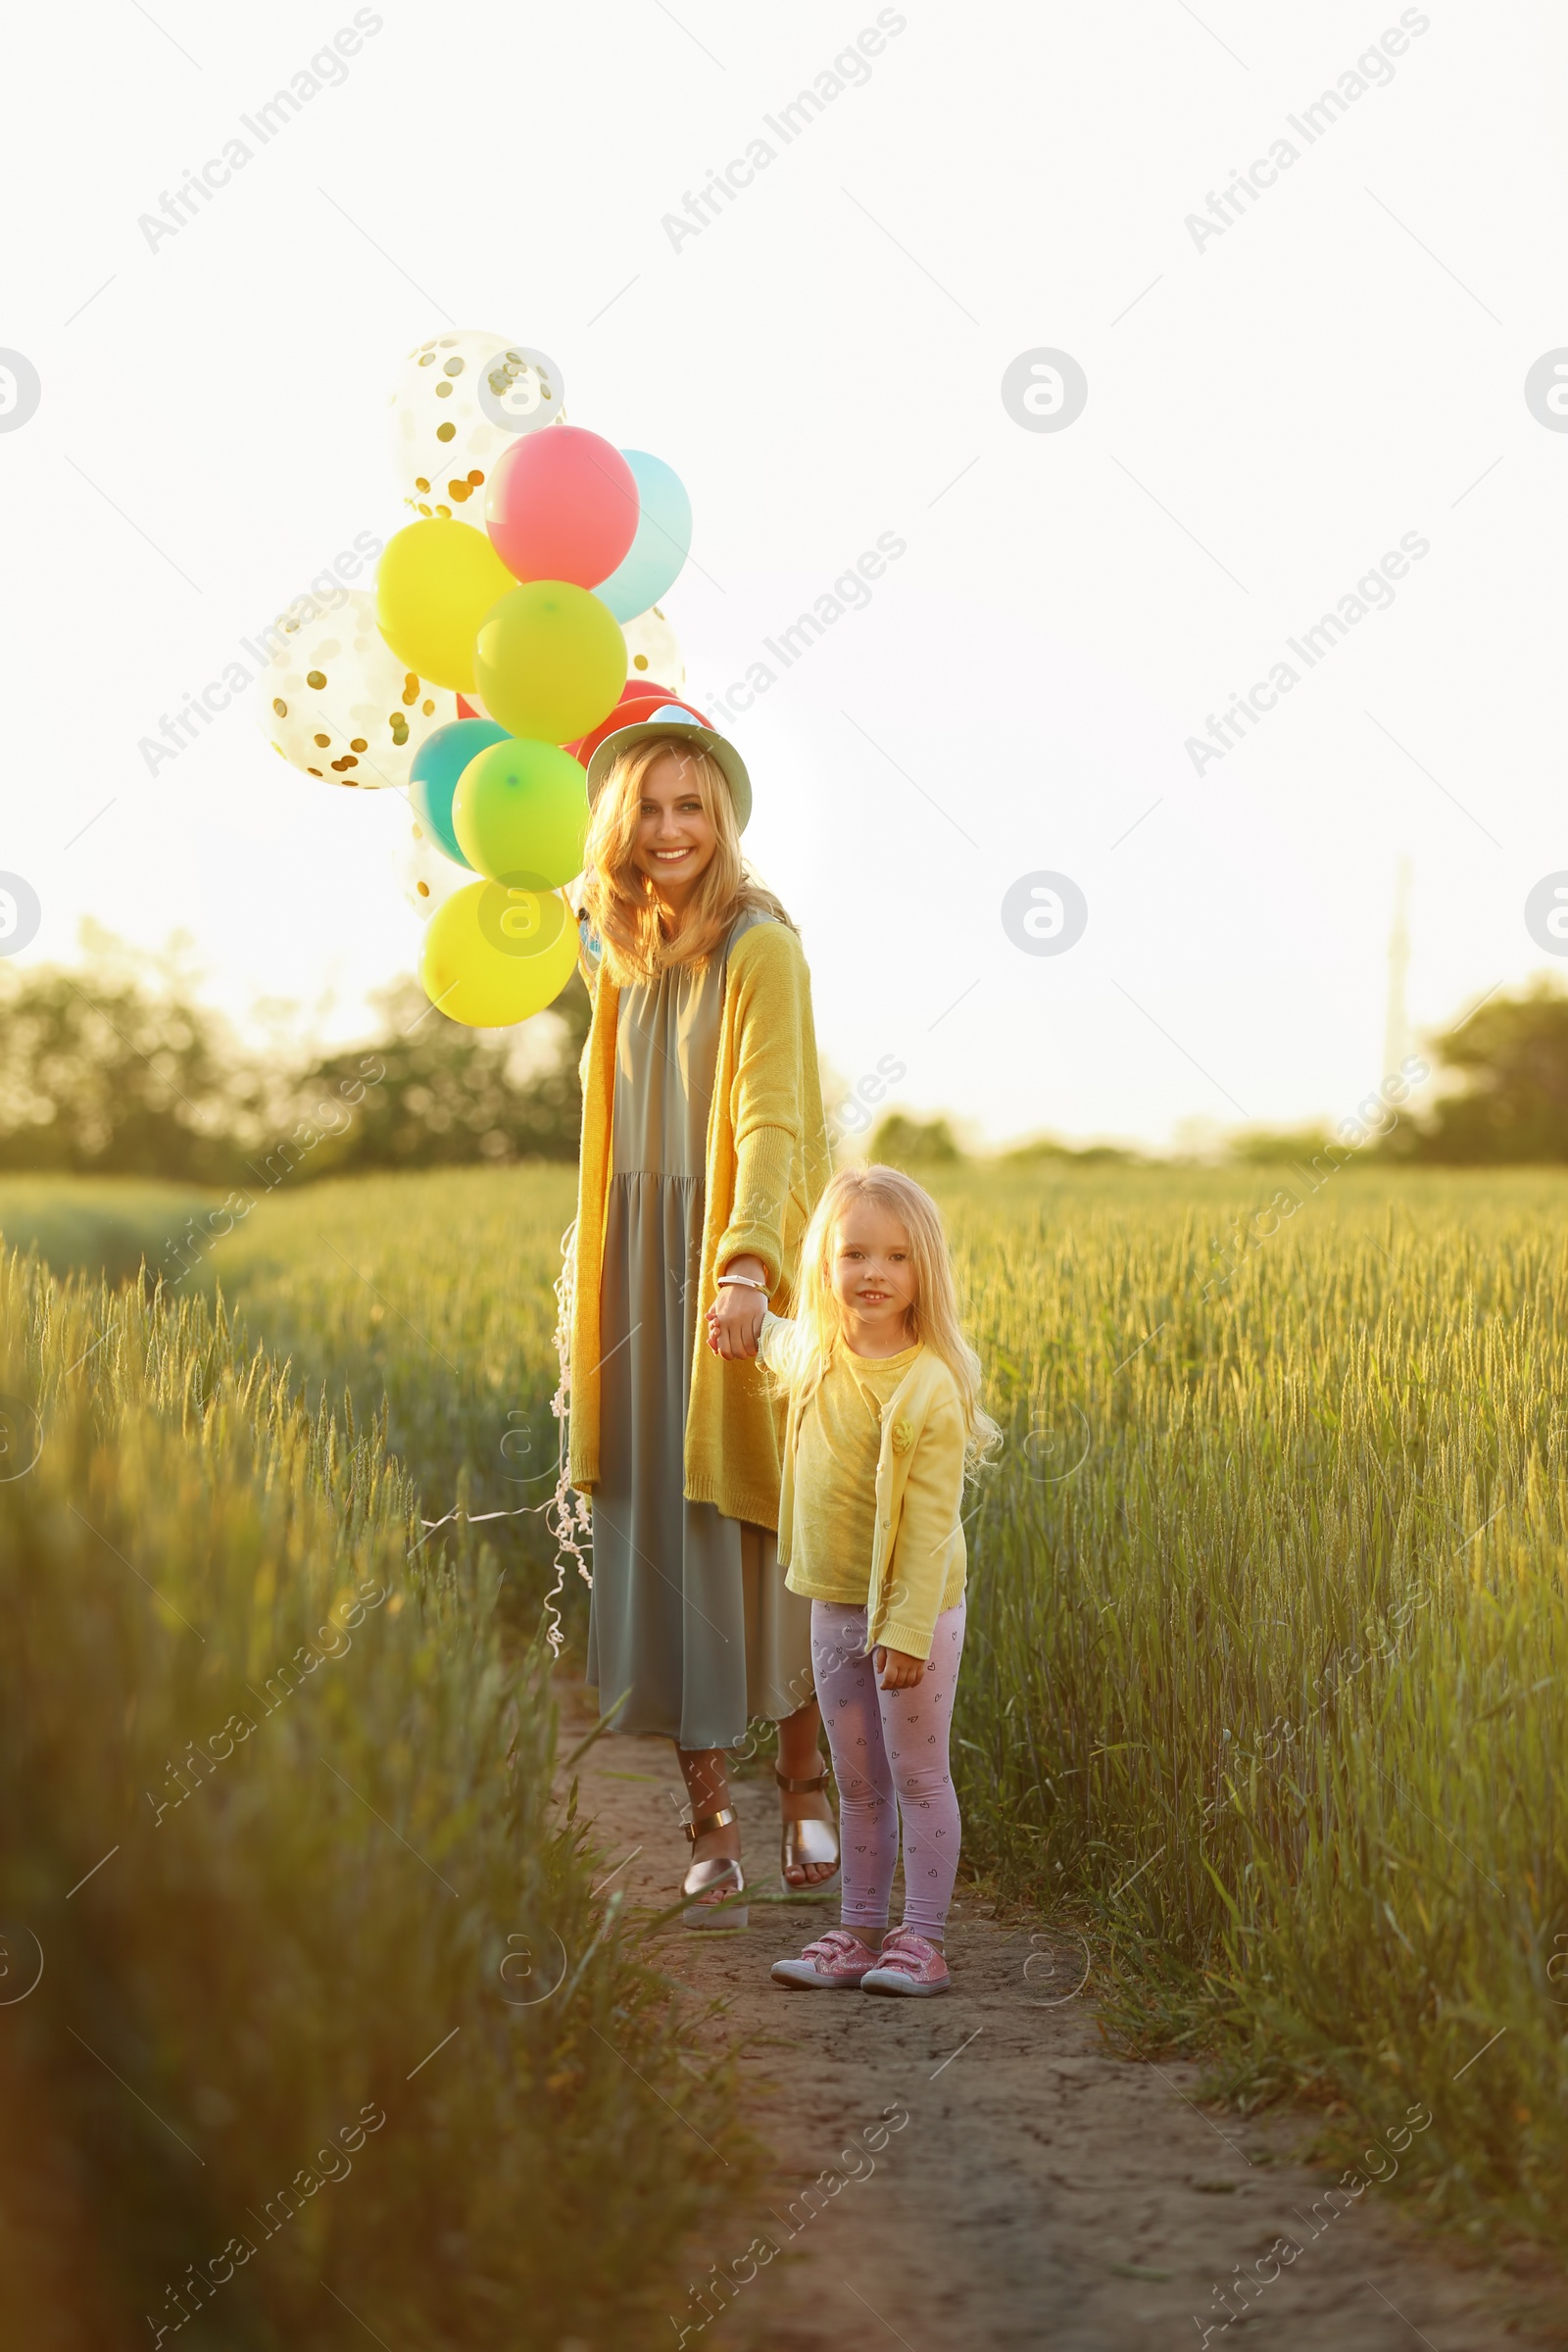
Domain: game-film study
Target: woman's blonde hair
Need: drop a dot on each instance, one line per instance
(933, 1313)
(621, 900)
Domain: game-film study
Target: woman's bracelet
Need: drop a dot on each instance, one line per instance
(745, 1282)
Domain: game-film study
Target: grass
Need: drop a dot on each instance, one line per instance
(430, 1295)
(326, 2007)
(95, 1224)
(1268, 1637)
(1265, 1683)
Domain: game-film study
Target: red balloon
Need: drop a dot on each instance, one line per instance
(639, 702)
(635, 690)
(563, 507)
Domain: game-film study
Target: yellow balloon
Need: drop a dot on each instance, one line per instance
(550, 661)
(435, 583)
(494, 956)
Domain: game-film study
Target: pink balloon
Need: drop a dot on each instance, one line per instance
(563, 507)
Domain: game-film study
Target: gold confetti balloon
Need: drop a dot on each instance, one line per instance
(428, 875)
(337, 702)
(460, 402)
(653, 650)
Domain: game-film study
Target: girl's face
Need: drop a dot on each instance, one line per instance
(872, 1269)
(675, 836)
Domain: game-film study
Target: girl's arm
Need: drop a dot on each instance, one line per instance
(777, 1341)
(930, 1536)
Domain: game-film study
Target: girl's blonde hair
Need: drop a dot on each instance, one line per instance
(623, 900)
(933, 1314)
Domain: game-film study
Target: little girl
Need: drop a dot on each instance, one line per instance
(883, 1423)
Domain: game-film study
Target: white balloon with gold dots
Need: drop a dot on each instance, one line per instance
(338, 704)
(653, 650)
(460, 402)
(428, 874)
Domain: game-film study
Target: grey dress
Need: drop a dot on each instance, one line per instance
(689, 1617)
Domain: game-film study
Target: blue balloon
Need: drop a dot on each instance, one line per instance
(653, 562)
(433, 778)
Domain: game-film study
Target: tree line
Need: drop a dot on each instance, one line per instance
(115, 1067)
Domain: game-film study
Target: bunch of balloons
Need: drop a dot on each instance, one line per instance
(513, 625)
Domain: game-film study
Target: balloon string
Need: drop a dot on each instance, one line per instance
(567, 1514)
(478, 1518)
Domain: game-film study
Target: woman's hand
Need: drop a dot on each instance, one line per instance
(897, 1670)
(735, 1319)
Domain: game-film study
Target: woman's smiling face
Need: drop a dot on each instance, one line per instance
(675, 836)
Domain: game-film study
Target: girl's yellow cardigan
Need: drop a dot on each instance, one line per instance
(918, 1564)
(767, 1161)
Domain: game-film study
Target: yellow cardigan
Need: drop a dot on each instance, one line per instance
(918, 1562)
(767, 1161)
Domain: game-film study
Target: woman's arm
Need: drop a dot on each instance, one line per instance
(774, 1030)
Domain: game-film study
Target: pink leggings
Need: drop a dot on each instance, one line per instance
(887, 1742)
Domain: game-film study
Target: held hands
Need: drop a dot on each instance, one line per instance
(895, 1669)
(735, 1319)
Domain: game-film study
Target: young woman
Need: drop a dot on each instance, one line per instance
(703, 1151)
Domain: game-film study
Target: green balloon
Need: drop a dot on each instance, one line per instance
(521, 814)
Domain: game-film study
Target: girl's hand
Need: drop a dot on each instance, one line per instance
(735, 1319)
(897, 1670)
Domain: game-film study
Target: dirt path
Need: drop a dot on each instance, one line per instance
(1043, 2192)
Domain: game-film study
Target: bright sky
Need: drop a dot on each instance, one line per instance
(1273, 407)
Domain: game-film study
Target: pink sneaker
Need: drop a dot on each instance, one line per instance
(908, 1963)
(837, 1959)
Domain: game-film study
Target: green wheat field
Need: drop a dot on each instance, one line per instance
(1265, 1697)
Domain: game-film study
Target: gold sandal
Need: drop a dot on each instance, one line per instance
(703, 1878)
(807, 1842)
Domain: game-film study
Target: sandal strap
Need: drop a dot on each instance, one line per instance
(713, 1878)
(709, 1821)
(801, 1787)
(808, 1841)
